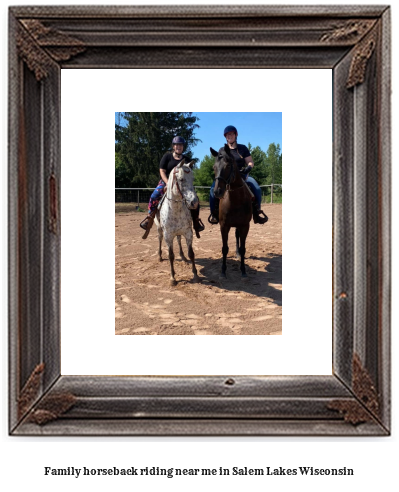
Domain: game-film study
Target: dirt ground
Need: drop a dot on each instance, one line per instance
(146, 304)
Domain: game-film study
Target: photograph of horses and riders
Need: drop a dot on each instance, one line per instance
(198, 223)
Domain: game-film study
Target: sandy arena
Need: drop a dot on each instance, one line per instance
(146, 304)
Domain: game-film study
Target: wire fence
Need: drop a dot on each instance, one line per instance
(127, 199)
(272, 193)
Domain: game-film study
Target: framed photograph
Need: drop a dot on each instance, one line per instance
(246, 299)
(353, 44)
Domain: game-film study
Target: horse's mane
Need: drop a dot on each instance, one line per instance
(172, 179)
(171, 182)
(234, 163)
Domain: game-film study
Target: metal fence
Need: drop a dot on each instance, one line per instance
(138, 198)
(272, 193)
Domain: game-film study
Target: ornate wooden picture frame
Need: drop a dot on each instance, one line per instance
(352, 41)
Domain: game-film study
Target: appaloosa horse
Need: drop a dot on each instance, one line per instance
(235, 207)
(174, 217)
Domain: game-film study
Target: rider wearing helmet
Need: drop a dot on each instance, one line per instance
(244, 161)
(168, 162)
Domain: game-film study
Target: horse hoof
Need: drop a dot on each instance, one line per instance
(173, 283)
(196, 279)
(244, 278)
(222, 276)
(160, 259)
(238, 256)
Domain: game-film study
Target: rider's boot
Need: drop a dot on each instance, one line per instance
(214, 217)
(197, 222)
(147, 223)
(256, 214)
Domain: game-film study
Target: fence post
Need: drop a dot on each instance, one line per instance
(138, 198)
(271, 194)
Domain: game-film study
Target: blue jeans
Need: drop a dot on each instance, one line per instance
(255, 188)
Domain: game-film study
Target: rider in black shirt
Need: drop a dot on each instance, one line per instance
(244, 161)
(168, 162)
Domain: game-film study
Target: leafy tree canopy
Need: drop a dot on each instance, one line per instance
(274, 160)
(143, 139)
(267, 166)
(204, 175)
(259, 172)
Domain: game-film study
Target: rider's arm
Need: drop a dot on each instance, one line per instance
(249, 161)
(163, 167)
(162, 172)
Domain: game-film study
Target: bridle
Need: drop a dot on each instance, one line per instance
(230, 178)
(176, 182)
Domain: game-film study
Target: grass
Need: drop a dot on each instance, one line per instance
(123, 208)
(276, 198)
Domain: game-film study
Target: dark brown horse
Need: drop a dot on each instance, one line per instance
(235, 206)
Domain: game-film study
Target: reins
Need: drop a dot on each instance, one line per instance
(175, 182)
(231, 177)
(228, 188)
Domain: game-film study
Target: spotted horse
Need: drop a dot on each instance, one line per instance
(174, 217)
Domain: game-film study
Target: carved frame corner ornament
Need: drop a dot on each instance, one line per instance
(41, 411)
(349, 31)
(52, 407)
(354, 43)
(361, 56)
(366, 406)
(30, 391)
(37, 45)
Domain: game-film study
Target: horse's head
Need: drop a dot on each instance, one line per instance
(183, 184)
(224, 168)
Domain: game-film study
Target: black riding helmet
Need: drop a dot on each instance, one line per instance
(178, 140)
(230, 128)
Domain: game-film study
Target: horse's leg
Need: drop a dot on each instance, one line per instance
(169, 242)
(237, 244)
(189, 241)
(243, 232)
(181, 249)
(225, 249)
(160, 237)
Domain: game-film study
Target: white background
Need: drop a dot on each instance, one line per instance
(89, 345)
(23, 459)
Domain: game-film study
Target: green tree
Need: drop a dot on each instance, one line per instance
(274, 164)
(267, 166)
(122, 178)
(204, 174)
(259, 172)
(141, 139)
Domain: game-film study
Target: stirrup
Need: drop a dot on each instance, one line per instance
(146, 224)
(213, 220)
(200, 225)
(145, 235)
(264, 219)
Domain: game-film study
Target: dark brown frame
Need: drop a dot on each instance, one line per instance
(353, 41)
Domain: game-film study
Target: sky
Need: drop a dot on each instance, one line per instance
(256, 128)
